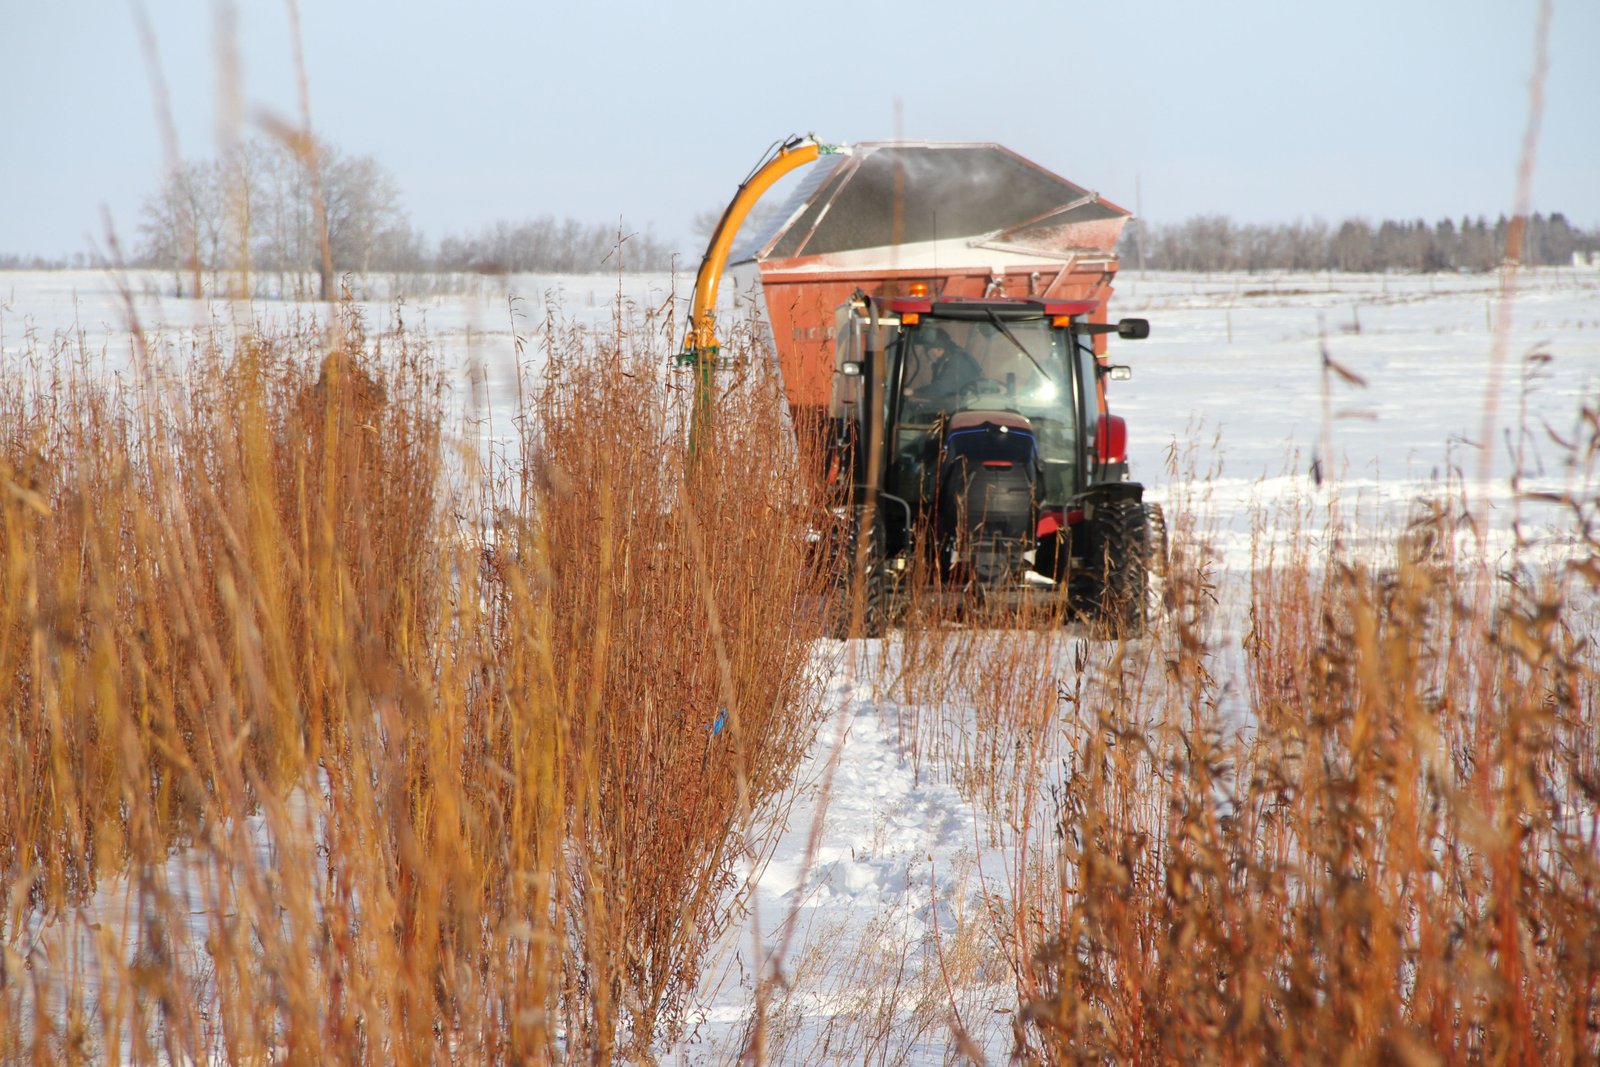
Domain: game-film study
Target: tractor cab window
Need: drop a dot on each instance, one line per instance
(948, 365)
(951, 366)
(1089, 378)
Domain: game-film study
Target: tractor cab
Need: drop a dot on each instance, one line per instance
(977, 432)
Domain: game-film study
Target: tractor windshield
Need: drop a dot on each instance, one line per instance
(1021, 366)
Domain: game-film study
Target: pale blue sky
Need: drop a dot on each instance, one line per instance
(1265, 111)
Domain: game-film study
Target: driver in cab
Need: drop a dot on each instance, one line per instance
(951, 369)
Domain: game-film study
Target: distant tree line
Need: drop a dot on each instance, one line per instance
(551, 245)
(1217, 243)
(265, 205)
(76, 261)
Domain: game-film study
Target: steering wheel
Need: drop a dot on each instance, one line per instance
(909, 372)
(982, 387)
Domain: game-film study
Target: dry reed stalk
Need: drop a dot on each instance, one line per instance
(309, 769)
(688, 719)
(1347, 865)
(1387, 832)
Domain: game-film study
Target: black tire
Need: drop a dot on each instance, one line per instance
(867, 573)
(1157, 540)
(1123, 544)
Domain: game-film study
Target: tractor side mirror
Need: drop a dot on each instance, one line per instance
(1120, 373)
(1133, 329)
(850, 369)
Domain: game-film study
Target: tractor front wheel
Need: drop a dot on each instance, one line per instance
(1159, 552)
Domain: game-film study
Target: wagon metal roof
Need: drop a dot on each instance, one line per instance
(887, 195)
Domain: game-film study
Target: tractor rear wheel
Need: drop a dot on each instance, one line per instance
(1123, 544)
(864, 578)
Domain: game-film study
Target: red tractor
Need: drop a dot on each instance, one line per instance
(975, 448)
(938, 312)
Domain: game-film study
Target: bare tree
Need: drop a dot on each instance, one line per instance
(705, 224)
(183, 223)
(255, 209)
(362, 208)
(1306, 245)
(1352, 246)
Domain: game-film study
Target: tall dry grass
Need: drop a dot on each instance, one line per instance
(323, 749)
(1369, 832)
(1343, 805)
(681, 623)
(312, 764)
(1397, 859)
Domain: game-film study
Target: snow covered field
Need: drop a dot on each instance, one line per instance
(882, 892)
(1232, 375)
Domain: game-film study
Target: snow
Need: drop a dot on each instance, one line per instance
(884, 874)
(1230, 384)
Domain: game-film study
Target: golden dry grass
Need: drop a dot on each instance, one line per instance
(309, 767)
(1343, 812)
(312, 763)
(1397, 860)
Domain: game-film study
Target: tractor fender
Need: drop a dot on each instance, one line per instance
(1111, 448)
(1108, 493)
(1111, 439)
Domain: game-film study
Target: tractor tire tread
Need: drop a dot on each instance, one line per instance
(1124, 542)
